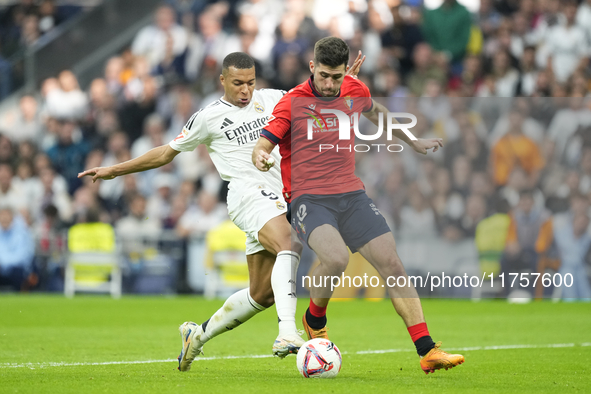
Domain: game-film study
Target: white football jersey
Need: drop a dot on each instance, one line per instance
(230, 134)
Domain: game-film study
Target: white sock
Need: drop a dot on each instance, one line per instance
(237, 309)
(283, 282)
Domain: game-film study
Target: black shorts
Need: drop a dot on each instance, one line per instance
(353, 214)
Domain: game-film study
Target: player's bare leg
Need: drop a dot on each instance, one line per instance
(332, 252)
(276, 237)
(381, 253)
(237, 309)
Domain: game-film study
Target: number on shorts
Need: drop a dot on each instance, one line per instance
(271, 195)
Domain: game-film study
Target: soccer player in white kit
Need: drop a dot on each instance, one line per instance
(230, 128)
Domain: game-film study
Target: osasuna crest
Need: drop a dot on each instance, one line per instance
(349, 102)
(258, 107)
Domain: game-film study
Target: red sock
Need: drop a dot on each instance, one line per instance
(418, 331)
(317, 311)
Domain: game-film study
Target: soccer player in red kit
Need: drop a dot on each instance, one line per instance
(328, 206)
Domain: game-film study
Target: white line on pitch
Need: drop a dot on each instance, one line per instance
(251, 356)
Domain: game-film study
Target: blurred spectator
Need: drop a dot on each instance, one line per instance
(30, 30)
(137, 226)
(491, 237)
(160, 203)
(530, 235)
(505, 76)
(489, 18)
(177, 209)
(26, 124)
(471, 77)
(63, 97)
(50, 235)
(10, 195)
(469, 145)
(585, 171)
(402, 37)
(7, 151)
(153, 136)
(48, 16)
(5, 76)
(114, 75)
(447, 29)
(133, 114)
(417, 220)
(184, 107)
(48, 193)
(152, 41)
(573, 243)
(210, 46)
(288, 42)
(516, 184)
(520, 113)
(117, 152)
(568, 45)
(67, 156)
(584, 17)
(528, 72)
(202, 217)
(564, 132)
(476, 210)
(25, 181)
(287, 71)
(17, 250)
(516, 150)
(424, 70)
(461, 175)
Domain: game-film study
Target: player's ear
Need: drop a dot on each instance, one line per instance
(222, 79)
(312, 66)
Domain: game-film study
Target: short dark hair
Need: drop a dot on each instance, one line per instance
(331, 52)
(239, 60)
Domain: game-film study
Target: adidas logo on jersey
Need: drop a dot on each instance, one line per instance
(227, 122)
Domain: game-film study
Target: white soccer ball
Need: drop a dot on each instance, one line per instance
(269, 162)
(319, 358)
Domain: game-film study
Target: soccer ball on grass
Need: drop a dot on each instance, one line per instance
(319, 358)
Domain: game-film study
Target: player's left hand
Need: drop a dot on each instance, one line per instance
(423, 145)
(354, 69)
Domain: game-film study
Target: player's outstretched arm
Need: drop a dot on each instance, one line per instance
(154, 158)
(261, 154)
(420, 145)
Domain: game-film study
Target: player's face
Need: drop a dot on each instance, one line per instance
(327, 80)
(238, 85)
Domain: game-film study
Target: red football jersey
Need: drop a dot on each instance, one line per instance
(305, 134)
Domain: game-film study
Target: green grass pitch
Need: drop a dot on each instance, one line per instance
(49, 344)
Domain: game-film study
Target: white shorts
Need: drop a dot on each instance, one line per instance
(250, 207)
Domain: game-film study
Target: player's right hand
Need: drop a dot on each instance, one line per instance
(98, 173)
(264, 161)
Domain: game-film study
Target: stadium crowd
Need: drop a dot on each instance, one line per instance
(506, 87)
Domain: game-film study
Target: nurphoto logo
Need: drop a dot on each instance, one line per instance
(320, 124)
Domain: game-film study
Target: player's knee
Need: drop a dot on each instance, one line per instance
(394, 267)
(336, 263)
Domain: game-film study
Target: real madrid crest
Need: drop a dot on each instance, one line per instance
(280, 205)
(258, 107)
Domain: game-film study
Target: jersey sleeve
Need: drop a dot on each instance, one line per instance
(279, 122)
(361, 91)
(193, 133)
